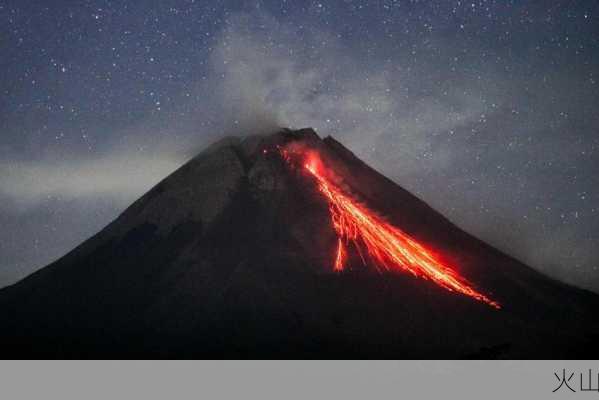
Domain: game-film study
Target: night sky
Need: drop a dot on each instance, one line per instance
(487, 110)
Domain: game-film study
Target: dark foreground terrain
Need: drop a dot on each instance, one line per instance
(230, 257)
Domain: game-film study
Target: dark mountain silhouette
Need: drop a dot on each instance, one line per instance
(230, 257)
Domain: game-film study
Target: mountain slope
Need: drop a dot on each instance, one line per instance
(231, 256)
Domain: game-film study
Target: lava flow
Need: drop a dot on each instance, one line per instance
(386, 245)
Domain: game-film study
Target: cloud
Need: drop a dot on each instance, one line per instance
(261, 79)
(256, 83)
(280, 81)
(121, 175)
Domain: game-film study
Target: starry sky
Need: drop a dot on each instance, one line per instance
(487, 110)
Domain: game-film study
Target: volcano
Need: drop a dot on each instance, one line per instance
(287, 245)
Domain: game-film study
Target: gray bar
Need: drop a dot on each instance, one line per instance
(305, 380)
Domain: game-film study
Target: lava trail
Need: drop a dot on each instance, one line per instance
(386, 245)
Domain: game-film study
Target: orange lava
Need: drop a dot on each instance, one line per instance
(340, 259)
(387, 246)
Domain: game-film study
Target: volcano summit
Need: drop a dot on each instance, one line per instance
(288, 246)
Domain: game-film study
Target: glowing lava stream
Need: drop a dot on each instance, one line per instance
(388, 246)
